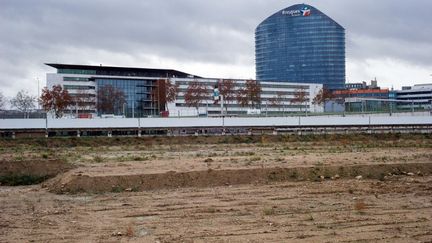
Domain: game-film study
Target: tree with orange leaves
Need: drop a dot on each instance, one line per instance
(195, 93)
(56, 100)
(249, 95)
(300, 97)
(171, 91)
(110, 99)
(226, 88)
(323, 96)
(277, 100)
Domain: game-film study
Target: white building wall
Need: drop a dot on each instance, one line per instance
(58, 79)
(179, 108)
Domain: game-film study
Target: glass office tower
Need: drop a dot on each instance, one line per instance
(301, 44)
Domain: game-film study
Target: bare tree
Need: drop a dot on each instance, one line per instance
(84, 100)
(2, 101)
(23, 102)
(277, 100)
(110, 99)
(253, 92)
(241, 96)
(300, 97)
(226, 88)
(158, 96)
(56, 100)
(171, 92)
(196, 92)
(323, 96)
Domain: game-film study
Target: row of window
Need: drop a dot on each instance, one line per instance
(305, 44)
(126, 82)
(296, 73)
(324, 61)
(76, 79)
(242, 85)
(284, 106)
(263, 100)
(76, 71)
(79, 87)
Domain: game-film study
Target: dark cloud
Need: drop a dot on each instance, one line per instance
(207, 33)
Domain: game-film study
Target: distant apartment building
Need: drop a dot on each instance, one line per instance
(139, 86)
(362, 85)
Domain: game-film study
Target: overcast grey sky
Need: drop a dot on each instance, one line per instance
(387, 39)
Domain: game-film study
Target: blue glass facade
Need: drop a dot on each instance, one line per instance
(301, 44)
(138, 95)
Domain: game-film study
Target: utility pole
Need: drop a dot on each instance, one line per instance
(222, 104)
(38, 105)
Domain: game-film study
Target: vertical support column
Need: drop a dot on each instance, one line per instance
(13, 135)
(412, 107)
(391, 108)
(46, 125)
(78, 134)
(222, 104)
(109, 134)
(139, 127)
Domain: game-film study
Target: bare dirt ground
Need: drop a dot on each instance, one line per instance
(395, 208)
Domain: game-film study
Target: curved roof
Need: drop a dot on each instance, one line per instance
(296, 11)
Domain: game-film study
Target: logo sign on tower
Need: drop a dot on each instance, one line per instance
(305, 11)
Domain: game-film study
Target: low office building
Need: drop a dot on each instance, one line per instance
(274, 98)
(137, 84)
(360, 100)
(145, 92)
(418, 97)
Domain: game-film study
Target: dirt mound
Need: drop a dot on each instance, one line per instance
(76, 181)
(14, 173)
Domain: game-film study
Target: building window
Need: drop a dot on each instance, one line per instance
(76, 79)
